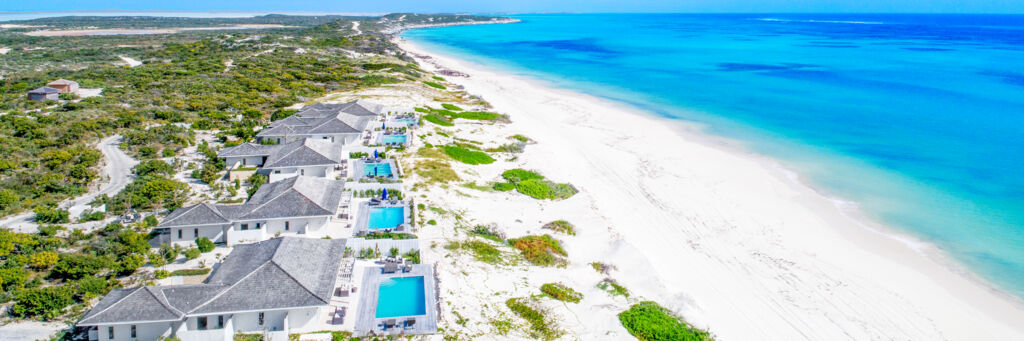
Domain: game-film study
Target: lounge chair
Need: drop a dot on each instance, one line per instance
(410, 322)
(390, 268)
(389, 323)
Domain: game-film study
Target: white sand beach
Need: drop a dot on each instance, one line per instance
(729, 240)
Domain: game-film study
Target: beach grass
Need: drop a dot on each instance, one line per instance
(467, 156)
(613, 288)
(651, 322)
(436, 171)
(540, 250)
(481, 250)
(541, 326)
(452, 107)
(435, 85)
(438, 120)
(561, 226)
(561, 292)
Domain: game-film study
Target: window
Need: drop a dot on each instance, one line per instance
(286, 226)
(277, 171)
(110, 333)
(245, 227)
(195, 233)
(243, 161)
(220, 321)
(179, 233)
(258, 226)
(260, 319)
(302, 172)
(133, 332)
(201, 323)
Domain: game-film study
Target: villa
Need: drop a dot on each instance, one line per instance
(338, 123)
(308, 157)
(64, 86)
(44, 94)
(299, 205)
(275, 288)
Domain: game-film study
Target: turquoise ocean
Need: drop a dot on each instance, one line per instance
(918, 119)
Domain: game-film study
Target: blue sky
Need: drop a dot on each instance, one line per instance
(831, 6)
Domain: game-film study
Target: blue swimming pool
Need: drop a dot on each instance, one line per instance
(386, 217)
(402, 296)
(392, 139)
(377, 169)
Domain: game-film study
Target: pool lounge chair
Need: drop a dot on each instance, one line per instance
(410, 323)
(389, 323)
(390, 268)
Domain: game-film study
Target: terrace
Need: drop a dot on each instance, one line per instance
(397, 299)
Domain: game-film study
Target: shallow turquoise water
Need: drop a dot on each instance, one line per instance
(917, 118)
(386, 217)
(377, 169)
(403, 296)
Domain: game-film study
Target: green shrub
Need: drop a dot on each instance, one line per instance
(504, 186)
(521, 138)
(51, 215)
(47, 303)
(438, 120)
(561, 226)
(544, 189)
(613, 288)
(150, 221)
(161, 274)
(517, 175)
(76, 266)
(467, 156)
(451, 107)
(204, 244)
(435, 85)
(91, 287)
(541, 327)
(192, 253)
(431, 222)
(477, 115)
(481, 250)
(540, 250)
(561, 292)
(389, 235)
(153, 167)
(650, 322)
(190, 272)
(412, 256)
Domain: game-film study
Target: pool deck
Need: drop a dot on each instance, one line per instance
(367, 323)
(362, 221)
(380, 139)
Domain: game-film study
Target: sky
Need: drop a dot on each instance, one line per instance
(532, 6)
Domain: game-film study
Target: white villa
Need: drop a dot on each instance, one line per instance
(308, 157)
(338, 123)
(299, 205)
(275, 288)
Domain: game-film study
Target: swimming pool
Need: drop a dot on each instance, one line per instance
(401, 296)
(386, 217)
(391, 139)
(377, 169)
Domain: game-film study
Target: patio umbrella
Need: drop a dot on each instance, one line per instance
(382, 127)
(374, 153)
(384, 196)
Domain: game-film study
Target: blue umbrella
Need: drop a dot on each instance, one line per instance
(385, 195)
(374, 153)
(382, 126)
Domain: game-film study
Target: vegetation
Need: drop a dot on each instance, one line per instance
(561, 226)
(205, 245)
(651, 322)
(467, 156)
(541, 326)
(540, 250)
(389, 235)
(435, 85)
(451, 107)
(561, 292)
(436, 171)
(535, 185)
(481, 250)
(438, 120)
(613, 288)
(190, 272)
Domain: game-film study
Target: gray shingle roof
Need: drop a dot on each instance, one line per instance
(307, 152)
(44, 90)
(300, 196)
(248, 149)
(277, 273)
(201, 214)
(323, 118)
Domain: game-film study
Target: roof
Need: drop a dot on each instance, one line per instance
(307, 152)
(324, 118)
(63, 81)
(44, 90)
(278, 273)
(247, 149)
(300, 196)
(201, 214)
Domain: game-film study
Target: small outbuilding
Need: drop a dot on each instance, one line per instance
(44, 94)
(64, 86)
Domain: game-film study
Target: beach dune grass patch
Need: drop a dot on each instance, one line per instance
(517, 175)
(561, 226)
(535, 185)
(541, 327)
(504, 186)
(481, 250)
(467, 156)
(451, 107)
(436, 171)
(561, 292)
(438, 120)
(613, 288)
(435, 85)
(649, 321)
(540, 250)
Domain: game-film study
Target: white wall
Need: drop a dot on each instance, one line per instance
(143, 331)
(310, 226)
(248, 161)
(214, 232)
(288, 172)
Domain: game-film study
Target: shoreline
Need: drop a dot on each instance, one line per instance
(939, 293)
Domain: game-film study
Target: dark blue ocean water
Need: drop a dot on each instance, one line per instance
(917, 118)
